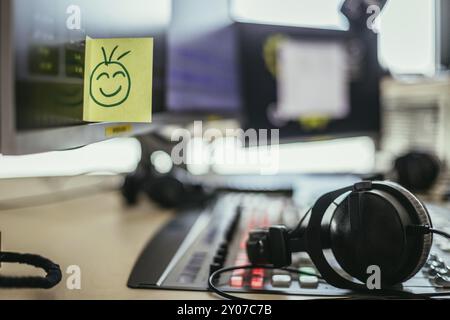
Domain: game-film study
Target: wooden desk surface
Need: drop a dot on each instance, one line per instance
(80, 221)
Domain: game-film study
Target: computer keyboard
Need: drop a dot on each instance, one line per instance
(198, 242)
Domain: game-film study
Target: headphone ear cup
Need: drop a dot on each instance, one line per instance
(170, 192)
(417, 171)
(166, 191)
(370, 228)
(422, 218)
(131, 188)
(369, 234)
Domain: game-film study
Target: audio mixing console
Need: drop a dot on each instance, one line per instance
(184, 253)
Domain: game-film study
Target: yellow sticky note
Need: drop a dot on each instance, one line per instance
(118, 80)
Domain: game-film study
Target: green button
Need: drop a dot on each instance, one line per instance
(308, 270)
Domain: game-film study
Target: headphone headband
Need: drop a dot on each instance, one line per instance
(314, 241)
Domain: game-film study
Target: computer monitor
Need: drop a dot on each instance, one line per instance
(215, 65)
(221, 63)
(442, 15)
(310, 83)
(41, 68)
(203, 74)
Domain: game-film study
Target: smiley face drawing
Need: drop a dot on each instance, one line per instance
(110, 82)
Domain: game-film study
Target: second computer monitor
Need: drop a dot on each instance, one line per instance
(309, 83)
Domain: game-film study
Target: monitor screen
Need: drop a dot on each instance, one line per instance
(319, 81)
(203, 75)
(49, 41)
(42, 46)
(309, 83)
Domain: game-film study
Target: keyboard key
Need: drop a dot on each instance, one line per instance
(257, 282)
(310, 282)
(236, 281)
(186, 278)
(281, 280)
(258, 272)
(280, 271)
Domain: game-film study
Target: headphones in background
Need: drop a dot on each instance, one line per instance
(356, 10)
(370, 223)
(417, 170)
(164, 189)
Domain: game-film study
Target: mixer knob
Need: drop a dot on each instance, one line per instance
(432, 271)
(219, 259)
(443, 271)
(439, 263)
(214, 267)
(222, 251)
(433, 257)
(442, 281)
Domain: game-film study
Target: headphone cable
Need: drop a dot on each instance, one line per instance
(377, 294)
(440, 232)
(52, 278)
(426, 229)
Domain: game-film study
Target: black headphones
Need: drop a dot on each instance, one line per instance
(164, 189)
(369, 223)
(417, 170)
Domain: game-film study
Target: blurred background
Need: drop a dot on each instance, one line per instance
(407, 47)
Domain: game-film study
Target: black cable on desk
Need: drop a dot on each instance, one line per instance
(364, 294)
(52, 278)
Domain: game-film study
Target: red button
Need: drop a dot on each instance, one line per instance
(236, 281)
(257, 282)
(258, 272)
